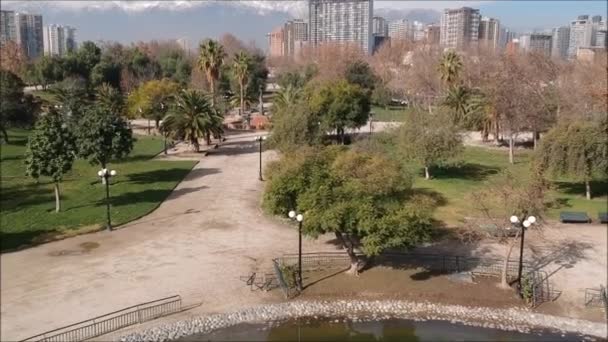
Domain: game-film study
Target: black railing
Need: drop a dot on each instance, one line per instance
(111, 322)
(597, 298)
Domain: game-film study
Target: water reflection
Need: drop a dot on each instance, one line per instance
(397, 330)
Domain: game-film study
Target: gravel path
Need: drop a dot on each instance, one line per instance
(198, 243)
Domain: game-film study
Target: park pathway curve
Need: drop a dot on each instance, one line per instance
(206, 235)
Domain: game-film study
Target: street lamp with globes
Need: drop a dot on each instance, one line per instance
(526, 223)
(298, 217)
(105, 175)
(260, 139)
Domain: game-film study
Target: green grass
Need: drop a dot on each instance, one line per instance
(453, 187)
(392, 114)
(28, 215)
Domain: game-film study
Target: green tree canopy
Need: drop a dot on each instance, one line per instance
(340, 105)
(48, 70)
(294, 125)
(429, 139)
(210, 61)
(152, 99)
(103, 135)
(576, 149)
(363, 199)
(50, 151)
(16, 109)
(106, 71)
(450, 67)
(361, 74)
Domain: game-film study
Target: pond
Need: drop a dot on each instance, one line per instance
(308, 329)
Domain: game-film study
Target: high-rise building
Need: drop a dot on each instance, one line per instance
(379, 27)
(400, 30)
(8, 30)
(29, 34)
(459, 28)
(432, 33)
(341, 21)
(600, 35)
(489, 33)
(59, 40)
(276, 42)
(539, 43)
(418, 30)
(581, 34)
(295, 35)
(560, 41)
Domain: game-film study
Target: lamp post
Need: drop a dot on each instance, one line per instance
(523, 225)
(298, 217)
(260, 139)
(105, 175)
(162, 108)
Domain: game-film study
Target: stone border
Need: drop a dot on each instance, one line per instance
(504, 319)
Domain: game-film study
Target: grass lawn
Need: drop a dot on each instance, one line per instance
(453, 187)
(28, 215)
(391, 114)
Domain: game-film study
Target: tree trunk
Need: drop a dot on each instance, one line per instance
(242, 99)
(350, 250)
(496, 132)
(503, 277)
(208, 139)
(149, 127)
(156, 123)
(588, 189)
(485, 133)
(212, 85)
(5, 134)
(57, 203)
(195, 144)
(511, 144)
(427, 175)
(535, 137)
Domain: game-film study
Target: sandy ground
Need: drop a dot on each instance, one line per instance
(208, 234)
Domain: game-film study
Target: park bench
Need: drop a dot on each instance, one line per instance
(603, 217)
(574, 217)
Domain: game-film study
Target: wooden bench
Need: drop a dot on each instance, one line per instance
(574, 217)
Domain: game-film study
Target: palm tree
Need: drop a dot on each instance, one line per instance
(241, 68)
(210, 61)
(486, 118)
(191, 118)
(286, 97)
(110, 98)
(458, 99)
(450, 67)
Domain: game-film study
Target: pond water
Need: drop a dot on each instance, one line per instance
(400, 330)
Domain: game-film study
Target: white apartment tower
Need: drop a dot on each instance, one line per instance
(459, 28)
(29, 34)
(560, 41)
(400, 30)
(489, 33)
(581, 34)
(59, 40)
(341, 21)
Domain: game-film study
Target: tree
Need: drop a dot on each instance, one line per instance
(50, 151)
(382, 95)
(458, 100)
(421, 81)
(71, 96)
(429, 140)
(362, 198)
(192, 117)
(111, 99)
(507, 194)
(340, 105)
(106, 71)
(152, 99)
(16, 109)
(450, 67)
(294, 125)
(210, 60)
(175, 65)
(82, 62)
(578, 149)
(103, 135)
(48, 70)
(241, 69)
(12, 58)
(361, 74)
(286, 97)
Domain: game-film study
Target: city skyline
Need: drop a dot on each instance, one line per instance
(197, 20)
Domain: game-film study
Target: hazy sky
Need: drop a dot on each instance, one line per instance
(127, 21)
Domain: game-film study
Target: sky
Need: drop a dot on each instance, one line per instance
(128, 21)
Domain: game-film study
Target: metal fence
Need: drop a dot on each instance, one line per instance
(597, 298)
(540, 287)
(111, 322)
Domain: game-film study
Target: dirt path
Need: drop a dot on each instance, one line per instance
(208, 233)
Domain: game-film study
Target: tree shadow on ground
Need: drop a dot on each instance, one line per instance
(12, 241)
(169, 175)
(598, 188)
(235, 148)
(19, 196)
(436, 198)
(559, 203)
(468, 171)
(149, 196)
(563, 254)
